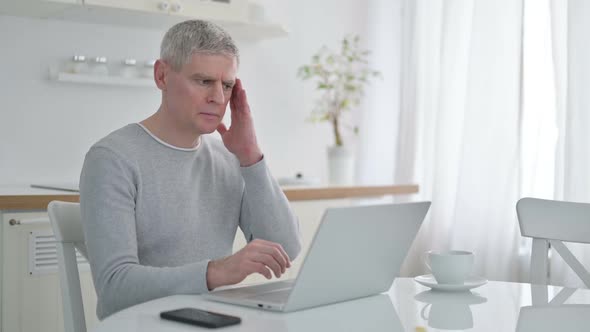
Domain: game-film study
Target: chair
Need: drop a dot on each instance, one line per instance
(551, 222)
(67, 226)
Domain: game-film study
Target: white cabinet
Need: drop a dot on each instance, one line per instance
(37, 8)
(31, 297)
(153, 14)
(228, 11)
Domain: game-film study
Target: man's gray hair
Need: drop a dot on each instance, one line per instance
(195, 36)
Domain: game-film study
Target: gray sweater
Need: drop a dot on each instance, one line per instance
(154, 215)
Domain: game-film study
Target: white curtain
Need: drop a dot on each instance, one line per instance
(483, 102)
(458, 125)
(571, 52)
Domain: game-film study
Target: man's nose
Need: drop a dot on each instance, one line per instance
(216, 94)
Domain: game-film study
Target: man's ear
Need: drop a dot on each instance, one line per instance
(161, 70)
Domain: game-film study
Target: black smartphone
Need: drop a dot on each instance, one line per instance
(200, 317)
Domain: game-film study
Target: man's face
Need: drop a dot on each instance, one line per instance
(197, 95)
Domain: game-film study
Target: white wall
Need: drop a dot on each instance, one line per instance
(46, 127)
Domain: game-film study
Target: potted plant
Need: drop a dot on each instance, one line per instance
(340, 77)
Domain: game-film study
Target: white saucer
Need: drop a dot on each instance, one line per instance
(450, 298)
(429, 281)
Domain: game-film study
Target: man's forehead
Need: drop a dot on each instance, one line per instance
(213, 59)
(212, 65)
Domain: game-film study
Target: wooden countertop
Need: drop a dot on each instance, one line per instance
(37, 199)
(317, 193)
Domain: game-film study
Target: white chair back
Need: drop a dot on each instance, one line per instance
(551, 222)
(67, 226)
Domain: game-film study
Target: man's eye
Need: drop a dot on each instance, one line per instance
(203, 82)
(228, 86)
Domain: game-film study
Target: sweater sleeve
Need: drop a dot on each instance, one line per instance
(107, 197)
(265, 212)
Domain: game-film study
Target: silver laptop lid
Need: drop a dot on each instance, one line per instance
(356, 252)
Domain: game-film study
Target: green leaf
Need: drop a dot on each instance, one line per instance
(350, 87)
(344, 103)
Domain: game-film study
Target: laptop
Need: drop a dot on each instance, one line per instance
(356, 252)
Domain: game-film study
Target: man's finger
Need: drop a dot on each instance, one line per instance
(279, 248)
(241, 100)
(235, 93)
(239, 94)
(269, 262)
(277, 255)
(260, 268)
(272, 249)
(245, 106)
(233, 106)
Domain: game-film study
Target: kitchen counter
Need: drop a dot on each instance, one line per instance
(26, 198)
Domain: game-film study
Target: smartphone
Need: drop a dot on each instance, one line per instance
(200, 317)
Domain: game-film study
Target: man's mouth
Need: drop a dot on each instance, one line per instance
(213, 115)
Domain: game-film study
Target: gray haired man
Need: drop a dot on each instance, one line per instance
(161, 200)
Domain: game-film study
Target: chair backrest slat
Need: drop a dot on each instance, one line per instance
(555, 220)
(67, 226)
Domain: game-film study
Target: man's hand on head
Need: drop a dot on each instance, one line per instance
(240, 138)
(258, 256)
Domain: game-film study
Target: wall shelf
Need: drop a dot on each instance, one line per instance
(104, 80)
(255, 31)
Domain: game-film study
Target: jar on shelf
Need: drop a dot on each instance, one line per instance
(77, 65)
(148, 69)
(129, 69)
(98, 66)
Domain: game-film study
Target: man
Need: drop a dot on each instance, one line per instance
(161, 200)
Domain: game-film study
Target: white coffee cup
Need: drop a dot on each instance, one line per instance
(450, 267)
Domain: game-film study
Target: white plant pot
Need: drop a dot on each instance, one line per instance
(340, 165)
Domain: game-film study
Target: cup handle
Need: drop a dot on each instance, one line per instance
(423, 312)
(425, 260)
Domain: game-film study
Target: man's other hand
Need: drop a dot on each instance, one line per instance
(258, 256)
(240, 138)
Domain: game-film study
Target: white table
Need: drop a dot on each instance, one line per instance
(408, 306)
